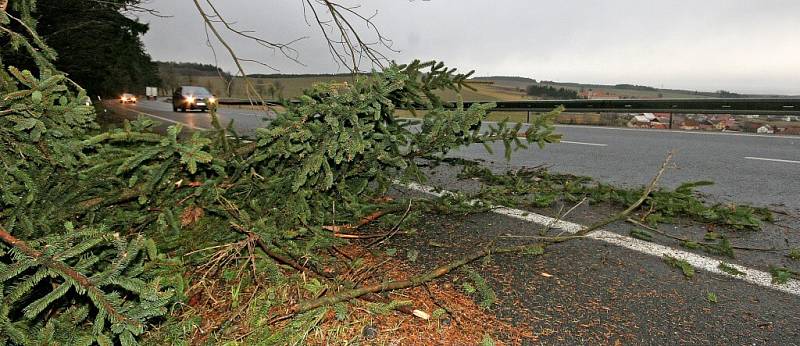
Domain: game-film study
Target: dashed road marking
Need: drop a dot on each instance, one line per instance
(174, 121)
(708, 264)
(585, 143)
(766, 159)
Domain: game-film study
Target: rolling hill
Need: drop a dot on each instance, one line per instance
(490, 88)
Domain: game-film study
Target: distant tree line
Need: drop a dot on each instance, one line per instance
(728, 94)
(635, 87)
(551, 92)
(301, 75)
(174, 74)
(507, 78)
(720, 93)
(191, 68)
(98, 46)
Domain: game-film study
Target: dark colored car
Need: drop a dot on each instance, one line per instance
(190, 97)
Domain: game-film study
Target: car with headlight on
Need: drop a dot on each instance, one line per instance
(189, 97)
(127, 98)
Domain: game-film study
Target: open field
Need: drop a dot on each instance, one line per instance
(486, 89)
(290, 87)
(521, 83)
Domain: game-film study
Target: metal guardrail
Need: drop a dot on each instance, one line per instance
(759, 106)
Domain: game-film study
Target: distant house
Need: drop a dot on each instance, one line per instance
(712, 123)
(783, 117)
(598, 95)
(791, 130)
(733, 127)
(723, 121)
(639, 121)
(751, 126)
(648, 120)
(707, 124)
(662, 117)
(690, 124)
(659, 125)
(765, 129)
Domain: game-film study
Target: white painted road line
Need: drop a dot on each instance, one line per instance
(766, 159)
(173, 121)
(708, 264)
(584, 143)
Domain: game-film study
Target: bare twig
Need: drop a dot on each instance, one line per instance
(270, 251)
(365, 220)
(209, 23)
(394, 230)
(674, 237)
(132, 8)
(351, 47)
(396, 285)
(624, 214)
(561, 216)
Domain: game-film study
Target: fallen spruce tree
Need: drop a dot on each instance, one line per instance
(91, 222)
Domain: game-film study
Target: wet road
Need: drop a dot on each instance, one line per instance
(244, 120)
(761, 170)
(756, 169)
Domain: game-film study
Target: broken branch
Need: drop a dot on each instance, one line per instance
(367, 219)
(396, 285)
(624, 214)
(60, 267)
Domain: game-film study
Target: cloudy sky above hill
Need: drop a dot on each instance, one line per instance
(739, 45)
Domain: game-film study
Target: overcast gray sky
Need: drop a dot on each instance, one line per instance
(748, 46)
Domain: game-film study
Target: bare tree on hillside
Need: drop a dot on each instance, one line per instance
(228, 79)
(353, 39)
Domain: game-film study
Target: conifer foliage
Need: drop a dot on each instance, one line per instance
(82, 287)
(80, 207)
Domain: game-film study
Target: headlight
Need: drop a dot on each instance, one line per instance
(212, 99)
(190, 99)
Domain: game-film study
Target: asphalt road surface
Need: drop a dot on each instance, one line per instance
(762, 170)
(244, 120)
(758, 169)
